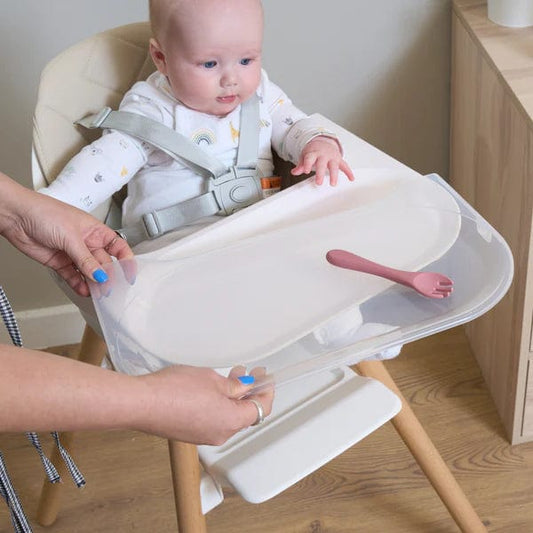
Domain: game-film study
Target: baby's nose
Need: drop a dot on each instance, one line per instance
(229, 79)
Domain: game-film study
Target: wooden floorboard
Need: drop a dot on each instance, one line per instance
(376, 486)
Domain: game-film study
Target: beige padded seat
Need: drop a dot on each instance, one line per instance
(82, 80)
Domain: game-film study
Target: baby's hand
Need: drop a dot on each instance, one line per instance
(322, 154)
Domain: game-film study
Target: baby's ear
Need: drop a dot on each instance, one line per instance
(158, 57)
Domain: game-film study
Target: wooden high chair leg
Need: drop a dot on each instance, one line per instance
(92, 350)
(50, 499)
(185, 467)
(427, 456)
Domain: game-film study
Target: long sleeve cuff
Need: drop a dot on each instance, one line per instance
(302, 132)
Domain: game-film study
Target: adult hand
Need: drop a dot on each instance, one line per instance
(197, 405)
(189, 404)
(61, 237)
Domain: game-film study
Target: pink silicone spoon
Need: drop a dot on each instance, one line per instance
(430, 284)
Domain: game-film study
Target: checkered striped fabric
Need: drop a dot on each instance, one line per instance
(9, 319)
(77, 476)
(18, 518)
(51, 472)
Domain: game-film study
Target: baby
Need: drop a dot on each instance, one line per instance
(208, 59)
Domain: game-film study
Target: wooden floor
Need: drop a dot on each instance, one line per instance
(374, 487)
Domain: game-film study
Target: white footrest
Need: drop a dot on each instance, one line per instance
(314, 419)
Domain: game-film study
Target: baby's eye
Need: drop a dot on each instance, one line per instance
(246, 61)
(210, 64)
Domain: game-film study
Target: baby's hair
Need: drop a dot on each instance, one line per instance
(159, 13)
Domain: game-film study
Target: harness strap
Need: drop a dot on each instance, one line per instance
(179, 147)
(248, 149)
(169, 141)
(162, 220)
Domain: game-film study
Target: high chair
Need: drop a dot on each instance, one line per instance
(316, 388)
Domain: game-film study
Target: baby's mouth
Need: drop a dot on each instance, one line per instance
(227, 99)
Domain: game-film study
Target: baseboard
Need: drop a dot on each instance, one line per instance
(48, 326)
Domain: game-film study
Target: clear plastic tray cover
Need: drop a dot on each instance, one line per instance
(256, 289)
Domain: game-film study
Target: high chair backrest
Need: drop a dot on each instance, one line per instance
(84, 78)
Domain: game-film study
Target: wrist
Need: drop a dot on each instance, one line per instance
(330, 139)
(152, 401)
(119, 401)
(11, 199)
(136, 405)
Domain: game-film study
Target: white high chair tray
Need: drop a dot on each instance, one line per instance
(251, 288)
(249, 299)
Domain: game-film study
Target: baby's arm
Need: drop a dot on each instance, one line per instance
(98, 171)
(304, 141)
(106, 165)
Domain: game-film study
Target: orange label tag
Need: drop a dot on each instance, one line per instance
(270, 185)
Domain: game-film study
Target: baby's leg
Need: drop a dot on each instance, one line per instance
(340, 329)
(349, 328)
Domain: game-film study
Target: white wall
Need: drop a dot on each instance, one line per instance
(380, 69)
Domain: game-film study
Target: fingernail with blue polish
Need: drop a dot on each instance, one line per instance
(100, 276)
(246, 380)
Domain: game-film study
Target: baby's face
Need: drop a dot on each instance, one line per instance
(213, 61)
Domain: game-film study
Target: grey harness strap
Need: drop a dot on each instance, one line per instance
(229, 189)
(18, 518)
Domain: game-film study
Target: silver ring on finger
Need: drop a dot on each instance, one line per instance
(111, 244)
(260, 412)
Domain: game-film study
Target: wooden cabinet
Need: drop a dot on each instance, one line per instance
(492, 168)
